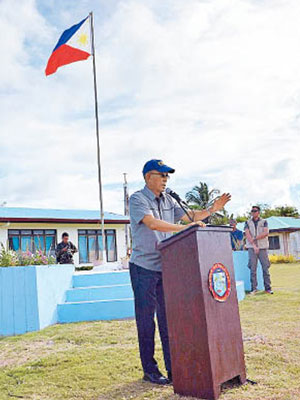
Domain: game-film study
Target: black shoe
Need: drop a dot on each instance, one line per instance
(170, 377)
(156, 377)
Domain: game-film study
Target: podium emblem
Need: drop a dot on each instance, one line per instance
(219, 282)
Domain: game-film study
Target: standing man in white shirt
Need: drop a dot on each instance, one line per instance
(257, 243)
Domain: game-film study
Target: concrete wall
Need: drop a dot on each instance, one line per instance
(18, 301)
(29, 296)
(52, 283)
(295, 244)
(242, 272)
(3, 233)
(72, 229)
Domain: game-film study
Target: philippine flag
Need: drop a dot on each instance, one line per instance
(73, 45)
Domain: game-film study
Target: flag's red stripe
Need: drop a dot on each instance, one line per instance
(64, 55)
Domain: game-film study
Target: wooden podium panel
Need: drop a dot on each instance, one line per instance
(205, 334)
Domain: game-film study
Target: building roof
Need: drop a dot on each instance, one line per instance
(19, 214)
(279, 224)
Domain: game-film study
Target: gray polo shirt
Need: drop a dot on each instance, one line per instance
(144, 240)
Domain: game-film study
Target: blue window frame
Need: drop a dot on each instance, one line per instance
(90, 245)
(82, 247)
(32, 240)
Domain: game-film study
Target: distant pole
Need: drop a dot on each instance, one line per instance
(97, 134)
(126, 211)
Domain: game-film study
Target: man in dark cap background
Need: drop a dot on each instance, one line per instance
(153, 217)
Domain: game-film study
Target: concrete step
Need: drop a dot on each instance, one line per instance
(101, 279)
(95, 310)
(92, 293)
(104, 296)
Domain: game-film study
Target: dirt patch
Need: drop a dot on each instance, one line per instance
(256, 338)
(12, 355)
(33, 351)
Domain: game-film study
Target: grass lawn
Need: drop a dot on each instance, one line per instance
(100, 360)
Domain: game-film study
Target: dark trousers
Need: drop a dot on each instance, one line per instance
(148, 299)
(262, 256)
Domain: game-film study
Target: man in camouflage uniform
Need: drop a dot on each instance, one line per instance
(65, 250)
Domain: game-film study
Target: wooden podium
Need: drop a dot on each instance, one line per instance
(204, 328)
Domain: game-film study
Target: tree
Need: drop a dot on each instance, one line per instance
(286, 211)
(267, 211)
(242, 218)
(200, 198)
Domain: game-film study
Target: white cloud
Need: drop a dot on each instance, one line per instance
(211, 87)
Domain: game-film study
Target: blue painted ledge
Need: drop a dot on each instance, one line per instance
(29, 296)
(34, 297)
(242, 272)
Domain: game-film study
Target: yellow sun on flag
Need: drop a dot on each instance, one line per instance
(83, 39)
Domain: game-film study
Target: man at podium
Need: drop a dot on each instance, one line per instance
(153, 217)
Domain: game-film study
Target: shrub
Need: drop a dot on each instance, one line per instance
(41, 259)
(8, 257)
(84, 268)
(12, 258)
(25, 258)
(37, 258)
(280, 258)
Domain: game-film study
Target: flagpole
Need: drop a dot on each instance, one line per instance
(126, 211)
(97, 134)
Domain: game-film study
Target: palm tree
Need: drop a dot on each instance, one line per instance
(201, 196)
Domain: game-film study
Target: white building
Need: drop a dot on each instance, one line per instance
(31, 229)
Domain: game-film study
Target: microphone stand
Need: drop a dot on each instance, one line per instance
(183, 206)
(186, 209)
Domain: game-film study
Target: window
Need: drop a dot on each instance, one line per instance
(32, 240)
(110, 244)
(90, 245)
(274, 243)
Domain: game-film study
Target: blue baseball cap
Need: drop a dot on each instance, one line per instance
(158, 165)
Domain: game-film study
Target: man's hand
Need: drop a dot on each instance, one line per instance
(200, 223)
(65, 248)
(256, 249)
(219, 204)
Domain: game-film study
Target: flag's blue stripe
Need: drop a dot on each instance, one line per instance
(68, 33)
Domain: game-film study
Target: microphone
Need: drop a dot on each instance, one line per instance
(182, 203)
(174, 195)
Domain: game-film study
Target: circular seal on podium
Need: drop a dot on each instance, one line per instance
(219, 282)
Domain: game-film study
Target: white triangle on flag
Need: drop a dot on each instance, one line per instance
(82, 39)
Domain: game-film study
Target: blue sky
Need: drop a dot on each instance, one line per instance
(211, 87)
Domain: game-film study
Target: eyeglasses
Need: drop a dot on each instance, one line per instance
(254, 211)
(161, 174)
